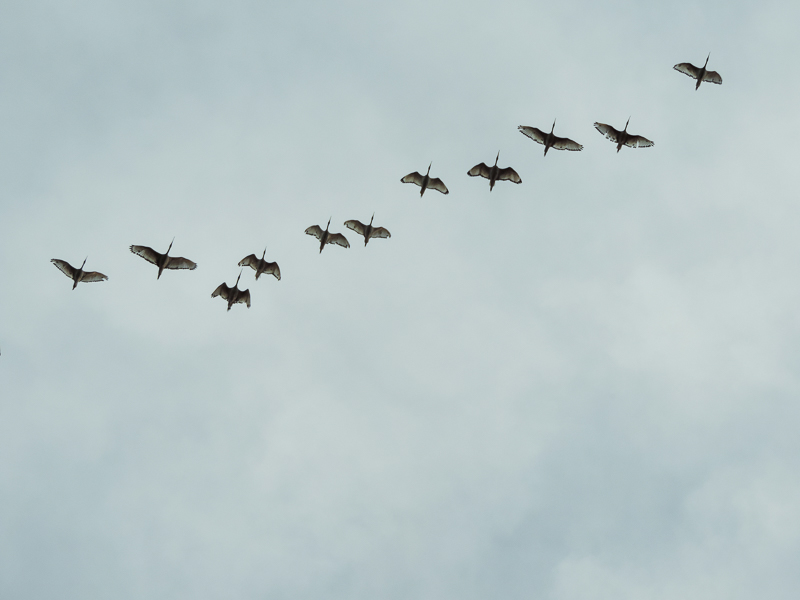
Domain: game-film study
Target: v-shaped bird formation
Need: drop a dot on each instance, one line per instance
(495, 173)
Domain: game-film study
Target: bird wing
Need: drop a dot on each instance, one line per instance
(480, 169)
(608, 131)
(339, 240)
(508, 174)
(713, 77)
(92, 276)
(355, 225)
(222, 290)
(566, 144)
(249, 261)
(438, 185)
(316, 231)
(178, 262)
(380, 232)
(63, 266)
(244, 298)
(146, 253)
(273, 269)
(414, 177)
(687, 69)
(537, 135)
(637, 141)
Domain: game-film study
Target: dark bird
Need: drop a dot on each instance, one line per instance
(494, 173)
(259, 265)
(163, 261)
(548, 140)
(368, 231)
(77, 275)
(426, 182)
(233, 295)
(699, 73)
(623, 138)
(327, 238)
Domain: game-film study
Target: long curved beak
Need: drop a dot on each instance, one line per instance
(237, 279)
(626, 124)
(264, 254)
(429, 169)
(84, 262)
(170, 246)
(553, 127)
(372, 217)
(497, 158)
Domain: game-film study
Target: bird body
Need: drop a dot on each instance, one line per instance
(623, 138)
(325, 237)
(77, 275)
(701, 74)
(368, 231)
(233, 295)
(426, 182)
(495, 173)
(549, 140)
(259, 265)
(163, 261)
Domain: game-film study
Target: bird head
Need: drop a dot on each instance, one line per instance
(264, 254)
(553, 127)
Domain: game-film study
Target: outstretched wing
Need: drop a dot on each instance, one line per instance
(146, 253)
(414, 178)
(687, 69)
(355, 225)
(244, 298)
(92, 276)
(249, 261)
(508, 174)
(713, 77)
(222, 290)
(537, 135)
(338, 239)
(438, 185)
(178, 262)
(273, 269)
(63, 266)
(566, 144)
(479, 170)
(637, 141)
(380, 232)
(315, 231)
(608, 131)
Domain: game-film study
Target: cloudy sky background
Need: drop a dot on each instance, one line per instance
(582, 387)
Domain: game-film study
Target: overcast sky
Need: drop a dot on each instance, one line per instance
(581, 387)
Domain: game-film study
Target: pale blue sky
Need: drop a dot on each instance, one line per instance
(581, 387)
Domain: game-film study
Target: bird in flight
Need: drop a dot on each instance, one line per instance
(495, 173)
(233, 295)
(701, 74)
(426, 182)
(163, 261)
(623, 138)
(77, 275)
(325, 237)
(368, 231)
(548, 140)
(259, 265)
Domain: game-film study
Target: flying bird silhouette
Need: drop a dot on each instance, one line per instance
(163, 261)
(233, 295)
(77, 275)
(623, 138)
(368, 231)
(495, 173)
(426, 182)
(325, 237)
(259, 265)
(701, 74)
(548, 140)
